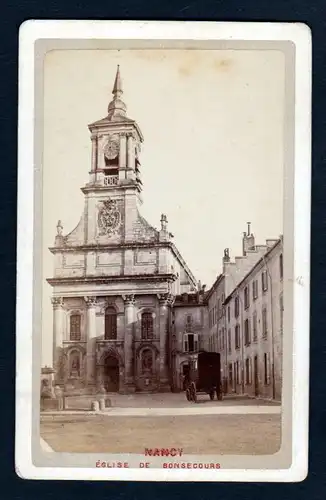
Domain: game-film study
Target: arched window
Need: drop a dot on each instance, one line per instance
(147, 326)
(75, 322)
(147, 361)
(74, 364)
(110, 327)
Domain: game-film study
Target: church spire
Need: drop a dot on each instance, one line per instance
(117, 87)
(117, 108)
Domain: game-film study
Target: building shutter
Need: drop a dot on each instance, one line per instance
(268, 368)
(185, 343)
(196, 342)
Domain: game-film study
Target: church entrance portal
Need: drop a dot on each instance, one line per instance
(111, 374)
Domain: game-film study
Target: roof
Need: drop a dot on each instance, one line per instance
(189, 300)
(216, 282)
(262, 259)
(116, 119)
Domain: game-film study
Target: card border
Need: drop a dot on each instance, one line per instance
(299, 34)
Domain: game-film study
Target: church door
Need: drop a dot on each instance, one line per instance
(111, 374)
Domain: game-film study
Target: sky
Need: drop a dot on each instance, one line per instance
(213, 151)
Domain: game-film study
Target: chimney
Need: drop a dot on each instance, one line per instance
(226, 256)
(164, 222)
(248, 240)
(164, 234)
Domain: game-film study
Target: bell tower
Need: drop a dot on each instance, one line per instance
(114, 187)
(116, 143)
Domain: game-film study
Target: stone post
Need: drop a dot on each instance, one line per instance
(91, 341)
(165, 301)
(129, 301)
(57, 303)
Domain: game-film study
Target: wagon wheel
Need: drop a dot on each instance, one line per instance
(211, 395)
(193, 393)
(188, 394)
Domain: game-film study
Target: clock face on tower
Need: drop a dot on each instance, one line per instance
(111, 149)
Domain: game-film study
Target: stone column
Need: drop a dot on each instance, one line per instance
(94, 153)
(129, 301)
(122, 155)
(58, 360)
(131, 157)
(165, 301)
(91, 341)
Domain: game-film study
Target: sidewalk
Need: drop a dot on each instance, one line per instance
(163, 400)
(194, 409)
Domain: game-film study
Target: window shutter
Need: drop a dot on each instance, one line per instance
(185, 342)
(196, 342)
(250, 371)
(268, 368)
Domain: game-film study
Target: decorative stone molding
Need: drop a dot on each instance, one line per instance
(165, 299)
(146, 345)
(109, 218)
(107, 302)
(75, 347)
(90, 301)
(57, 302)
(129, 300)
(123, 134)
(110, 352)
(59, 228)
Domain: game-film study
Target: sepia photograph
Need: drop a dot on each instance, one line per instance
(164, 249)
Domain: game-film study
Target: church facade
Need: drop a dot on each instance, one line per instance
(116, 277)
(127, 310)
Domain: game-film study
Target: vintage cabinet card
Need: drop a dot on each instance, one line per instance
(163, 251)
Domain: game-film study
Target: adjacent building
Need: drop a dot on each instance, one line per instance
(245, 307)
(253, 322)
(188, 332)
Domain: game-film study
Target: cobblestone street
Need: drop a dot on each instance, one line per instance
(204, 433)
(222, 434)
